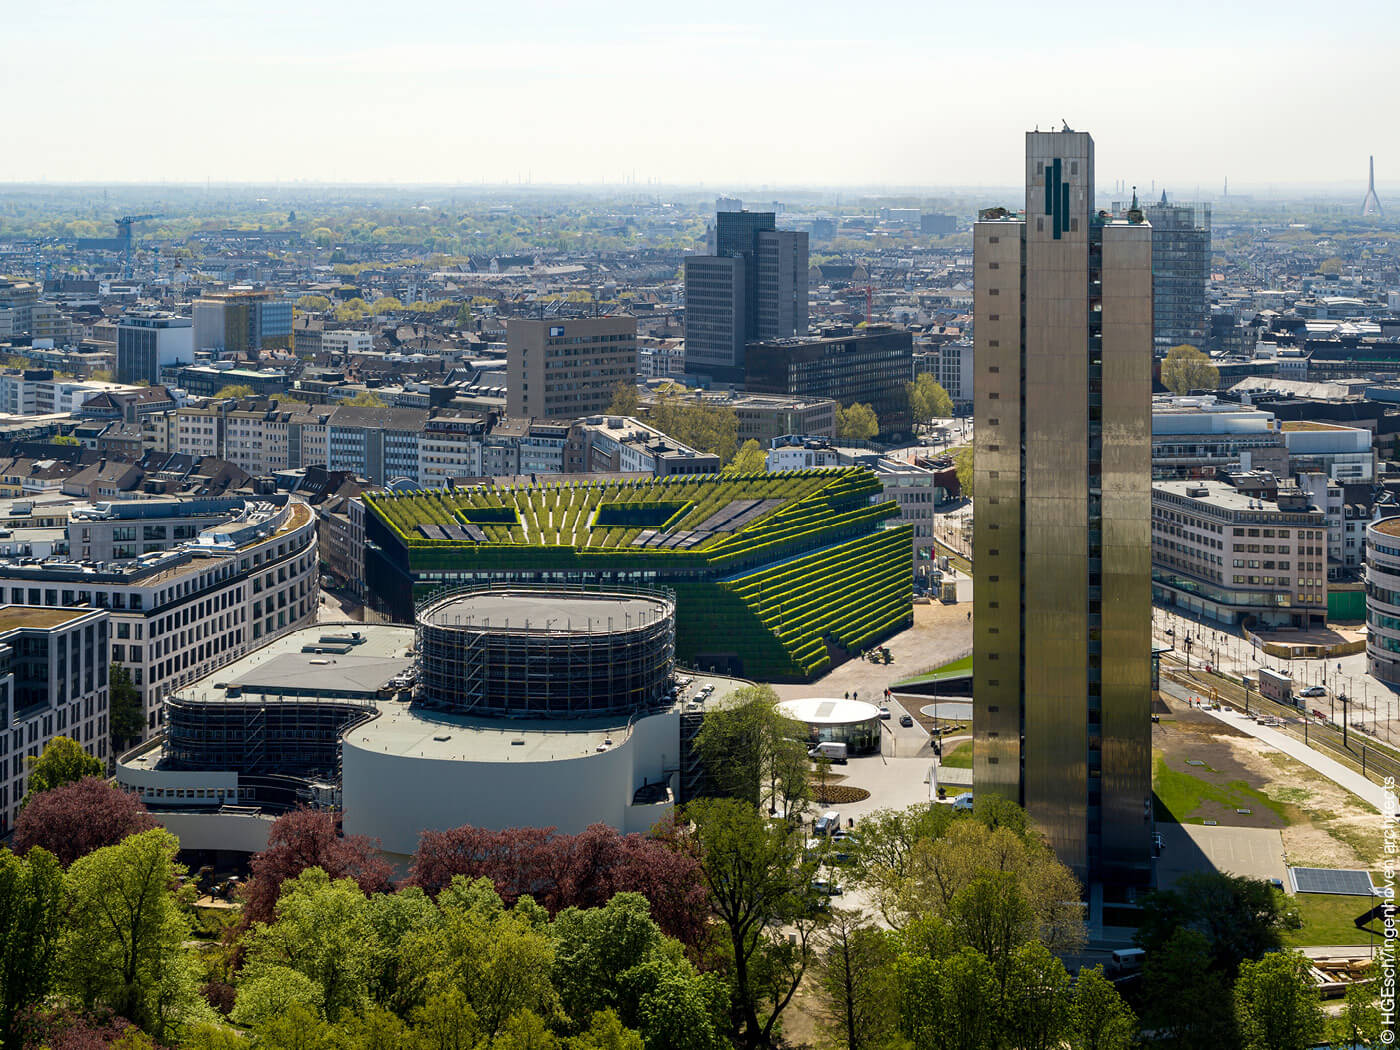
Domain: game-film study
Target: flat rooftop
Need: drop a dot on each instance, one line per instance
(1219, 494)
(576, 613)
(282, 667)
(411, 732)
(13, 617)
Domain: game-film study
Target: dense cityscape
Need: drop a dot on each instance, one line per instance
(651, 615)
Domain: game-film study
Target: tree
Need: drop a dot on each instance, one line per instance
(322, 931)
(63, 761)
(366, 399)
(625, 400)
(749, 459)
(123, 948)
(314, 303)
(1186, 369)
(31, 901)
(758, 881)
(1331, 265)
(464, 315)
(73, 820)
(500, 959)
(308, 838)
(947, 1002)
(563, 871)
(64, 439)
(928, 399)
(271, 991)
(1241, 918)
(856, 421)
(1180, 972)
(963, 465)
(998, 889)
(750, 750)
(855, 980)
(1099, 1019)
(323, 236)
(691, 421)
(126, 718)
(1276, 1004)
(384, 304)
(235, 390)
(103, 375)
(1360, 1020)
(1035, 1000)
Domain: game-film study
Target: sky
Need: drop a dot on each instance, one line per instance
(897, 93)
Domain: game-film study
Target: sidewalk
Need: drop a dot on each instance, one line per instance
(1329, 768)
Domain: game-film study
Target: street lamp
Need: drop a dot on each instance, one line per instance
(1188, 654)
(1343, 699)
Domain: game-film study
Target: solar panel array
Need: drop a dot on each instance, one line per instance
(1346, 882)
(460, 533)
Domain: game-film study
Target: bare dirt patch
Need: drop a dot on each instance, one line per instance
(1322, 824)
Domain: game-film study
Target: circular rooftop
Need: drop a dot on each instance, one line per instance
(820, 710)
(1387, 526)
(554, 611)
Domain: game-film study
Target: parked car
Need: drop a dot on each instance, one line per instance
(884, 712)
(906, 721)
(1314, 690)
(826, 888)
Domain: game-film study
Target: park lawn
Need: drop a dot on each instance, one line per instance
(956, 669)
(960, 757)
(1328, 918)
(1180, 794)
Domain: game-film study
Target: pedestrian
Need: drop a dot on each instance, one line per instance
(969, 616)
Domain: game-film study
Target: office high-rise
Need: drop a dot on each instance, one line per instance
(569, 367)
(149, 340)
(1180, 274)
(753, 287)
(1062, 639)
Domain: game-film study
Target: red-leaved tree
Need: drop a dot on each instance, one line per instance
(72, 820)
(562, 871)
(67, 1029)
(310, 838)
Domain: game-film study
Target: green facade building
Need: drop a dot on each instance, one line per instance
(776, 576)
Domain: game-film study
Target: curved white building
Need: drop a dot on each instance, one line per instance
(833, 719)
(1383, 600)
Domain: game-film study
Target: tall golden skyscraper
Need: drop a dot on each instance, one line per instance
(1062, 640)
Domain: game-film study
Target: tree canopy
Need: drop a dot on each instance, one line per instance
(928, 399)
(856, 421)
(63, 761)
(235, 390)
(1186, 369)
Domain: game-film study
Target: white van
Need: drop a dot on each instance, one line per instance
(832, 751)
(827, 823)
(1127, 961)
(963, 802)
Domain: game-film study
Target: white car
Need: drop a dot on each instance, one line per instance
(1313, 690)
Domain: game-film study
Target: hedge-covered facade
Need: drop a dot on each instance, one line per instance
(809, 572)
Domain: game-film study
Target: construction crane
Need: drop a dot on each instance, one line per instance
(124, 225)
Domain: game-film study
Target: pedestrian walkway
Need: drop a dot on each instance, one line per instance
(1329, 768)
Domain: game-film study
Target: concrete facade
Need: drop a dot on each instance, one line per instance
(1063, 322)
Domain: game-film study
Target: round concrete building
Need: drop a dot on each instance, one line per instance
(834, 720)
(1383, 600)
(545, 653)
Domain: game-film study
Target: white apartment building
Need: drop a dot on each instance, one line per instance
(346, 342)
(951, 366)
(53, 682)
(179, 613)
(32, 392)
(450, 447)
(1227, 556)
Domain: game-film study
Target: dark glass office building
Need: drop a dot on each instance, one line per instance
(871, 365)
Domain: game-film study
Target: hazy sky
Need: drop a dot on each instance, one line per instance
(888, 92)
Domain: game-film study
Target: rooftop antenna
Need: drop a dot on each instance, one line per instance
(1371, 204)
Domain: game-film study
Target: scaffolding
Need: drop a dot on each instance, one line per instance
(561, 666)
(295, 736)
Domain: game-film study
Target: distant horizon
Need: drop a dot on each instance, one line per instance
(1281, 191)
(743, 93)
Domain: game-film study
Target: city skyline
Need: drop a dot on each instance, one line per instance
(441, 95)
